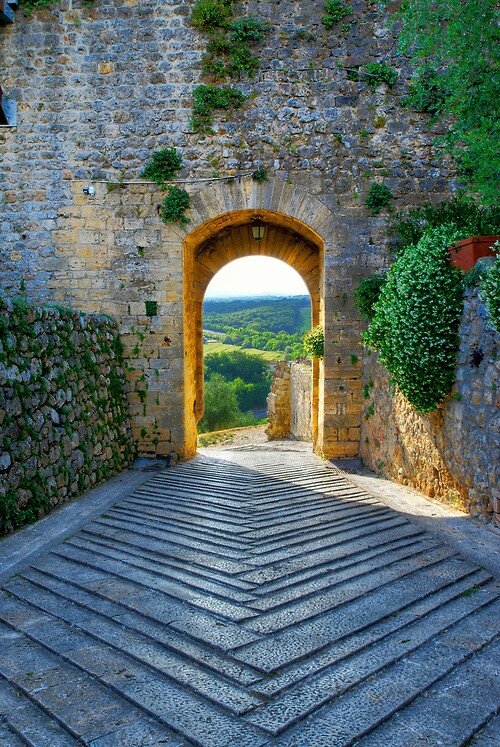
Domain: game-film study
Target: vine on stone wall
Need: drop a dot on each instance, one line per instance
(228, 55)
(64, 414)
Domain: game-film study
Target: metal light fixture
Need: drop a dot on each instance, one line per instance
(258, 231)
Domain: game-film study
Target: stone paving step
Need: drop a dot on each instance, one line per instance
(79, 704)
(27, 723)
(251, 597)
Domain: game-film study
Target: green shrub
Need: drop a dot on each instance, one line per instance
(335, 11)
(490, 291)
(151, 308)
(426, 93)
(314, 343)
(175, 204)
(210, 15)
(378, 198)
(380, 72)
(209, 98)
(467, 216)
(367, 294)
(260, 176)
(163, 166)
(248, 29)
(415, 325)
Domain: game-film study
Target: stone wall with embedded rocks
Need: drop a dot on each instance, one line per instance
(102, 85)
(289, 405)
(301, 401)
(454, 453)
(279, 404)
(64, 420)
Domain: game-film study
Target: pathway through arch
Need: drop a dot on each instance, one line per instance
(252, 596)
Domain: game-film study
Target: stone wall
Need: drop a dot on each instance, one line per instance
(101, 86)
(301, 401)
(279, 404)
(452, 454)
(64, 421)
(289, 405)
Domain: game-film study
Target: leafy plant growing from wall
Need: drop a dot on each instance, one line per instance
(374, 74)
(378, 198)
(163, 166)
(314, 343)
(208, 99)
(335, 11)
(175, 204)
(415, 324)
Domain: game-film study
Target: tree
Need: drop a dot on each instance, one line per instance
(221, 405)
(456, 43)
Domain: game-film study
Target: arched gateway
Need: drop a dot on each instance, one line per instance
(152, 278)
(297, 229)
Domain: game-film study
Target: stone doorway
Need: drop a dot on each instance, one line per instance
(211, 247)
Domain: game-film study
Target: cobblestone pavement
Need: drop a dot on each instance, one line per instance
(250, 597)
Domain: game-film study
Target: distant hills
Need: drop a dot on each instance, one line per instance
(264, 314)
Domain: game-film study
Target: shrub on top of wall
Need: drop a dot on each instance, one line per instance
(416, 319)
(314, 343)
(63, 409)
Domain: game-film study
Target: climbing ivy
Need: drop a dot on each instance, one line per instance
(466, 215)
(416, 318)
(459, 38)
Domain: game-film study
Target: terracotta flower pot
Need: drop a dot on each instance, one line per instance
(464, 254)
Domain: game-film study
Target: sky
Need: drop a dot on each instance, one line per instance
(256, 276)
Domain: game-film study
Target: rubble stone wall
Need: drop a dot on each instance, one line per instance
(301, 401)
(454, 453)
(100, 86)
(64, 419)
(289, 405)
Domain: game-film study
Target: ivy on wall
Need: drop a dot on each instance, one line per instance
(64, 416)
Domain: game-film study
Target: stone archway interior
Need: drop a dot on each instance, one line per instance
(210, 248)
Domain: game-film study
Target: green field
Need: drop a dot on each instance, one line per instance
(220, 347)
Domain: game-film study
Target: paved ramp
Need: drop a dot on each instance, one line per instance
(251, 597)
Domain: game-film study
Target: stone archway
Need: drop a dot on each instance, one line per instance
(231, 238)
(298, 222)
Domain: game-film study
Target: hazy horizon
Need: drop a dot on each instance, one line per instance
(256, 277)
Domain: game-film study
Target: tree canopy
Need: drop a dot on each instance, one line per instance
(456, 43)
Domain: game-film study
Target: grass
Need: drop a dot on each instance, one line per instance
(221, 347)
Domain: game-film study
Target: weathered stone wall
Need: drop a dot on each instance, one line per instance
(64, 420)
(454, 453)
(301, 401)
(279, 404)
(100, 87)
(289, 405)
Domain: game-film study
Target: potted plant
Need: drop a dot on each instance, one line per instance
(464, 254)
